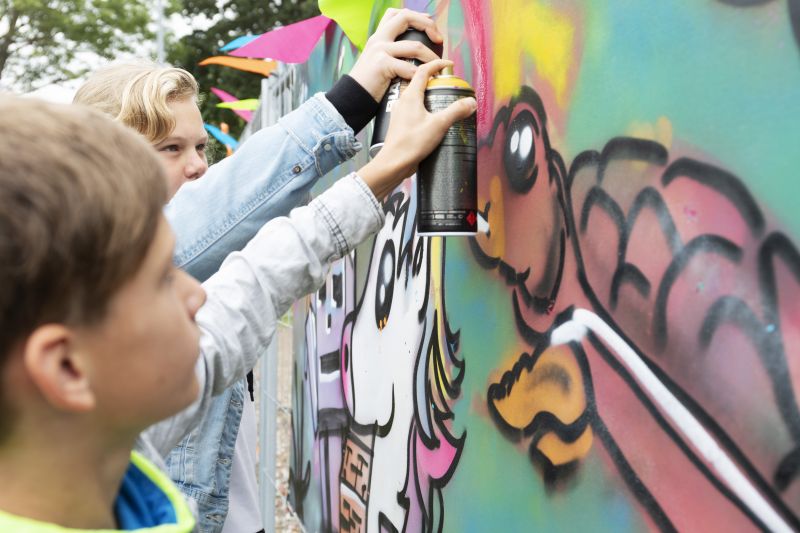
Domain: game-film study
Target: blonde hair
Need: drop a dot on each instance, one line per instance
(137, 93)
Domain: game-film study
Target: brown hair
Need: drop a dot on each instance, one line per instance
(80, 202)
(137, 95)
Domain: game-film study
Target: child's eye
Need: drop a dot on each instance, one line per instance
(201, 147)
(170, 148)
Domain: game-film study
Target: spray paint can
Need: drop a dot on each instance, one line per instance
(396, 88)
(447, 180)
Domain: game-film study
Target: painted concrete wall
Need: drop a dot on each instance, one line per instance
(622, 350)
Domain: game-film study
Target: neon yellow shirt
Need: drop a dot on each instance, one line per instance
(148, 502)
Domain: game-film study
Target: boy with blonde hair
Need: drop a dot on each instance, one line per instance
(100, 329)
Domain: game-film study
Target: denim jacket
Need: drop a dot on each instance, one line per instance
(288, 258)
(266, 177)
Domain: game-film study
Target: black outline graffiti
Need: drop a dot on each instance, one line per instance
(722, 182)
(540, 298)
(766, 334)
(429, 359)
(298, 485)
(703, 244)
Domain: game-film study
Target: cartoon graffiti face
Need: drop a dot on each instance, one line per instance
(381, 343)
(519, 181)
(669, 278)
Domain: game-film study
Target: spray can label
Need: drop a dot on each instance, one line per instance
(447, 179)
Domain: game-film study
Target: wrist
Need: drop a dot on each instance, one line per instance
(353, 102)
(367, 83)
(384, 173)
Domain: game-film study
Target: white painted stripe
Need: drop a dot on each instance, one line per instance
(687, 425)
(353, 496)
(483, 224)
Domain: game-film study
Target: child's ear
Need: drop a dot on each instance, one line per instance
(57, 369)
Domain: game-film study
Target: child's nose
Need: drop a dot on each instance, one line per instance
(196, 166)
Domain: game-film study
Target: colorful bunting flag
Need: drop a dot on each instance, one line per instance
(291, 44)
(238, 42)
(227, 97)
(222, 137)
(357, 18)
(258, 66)
(249, 104)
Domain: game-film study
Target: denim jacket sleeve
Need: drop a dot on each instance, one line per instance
(288, 258)
(266, 177)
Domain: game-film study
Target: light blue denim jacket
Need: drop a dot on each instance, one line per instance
(288, 258)
(266, 177)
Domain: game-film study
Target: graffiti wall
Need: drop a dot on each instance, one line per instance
(620, 350)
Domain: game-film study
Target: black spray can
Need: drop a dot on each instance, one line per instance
(396, 88)
(447, 180)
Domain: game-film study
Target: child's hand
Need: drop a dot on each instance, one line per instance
(381, 61)
(413, 132)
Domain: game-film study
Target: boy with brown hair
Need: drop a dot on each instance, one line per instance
(94, 316)
(99, 339)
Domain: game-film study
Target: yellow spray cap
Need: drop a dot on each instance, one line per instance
(448, 80)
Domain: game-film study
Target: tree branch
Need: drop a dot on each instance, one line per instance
(8, 38)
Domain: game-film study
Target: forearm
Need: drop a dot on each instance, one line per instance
(287, 259)
(269, 175)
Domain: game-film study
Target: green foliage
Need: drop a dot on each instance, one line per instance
(230, 20)
(43, 41)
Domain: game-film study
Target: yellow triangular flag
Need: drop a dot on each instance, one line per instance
(248, 104)
(357, 18)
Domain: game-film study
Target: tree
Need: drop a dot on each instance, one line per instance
(48, 41)
(230, 19)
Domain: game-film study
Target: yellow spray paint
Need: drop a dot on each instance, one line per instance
(436, 260)
(536, 30)
(554, 385)
(496, 246)
(661, 131)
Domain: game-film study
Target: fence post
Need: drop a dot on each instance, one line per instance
(268, 449)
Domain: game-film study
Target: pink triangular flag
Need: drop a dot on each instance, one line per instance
(227, 97)
(291, 44)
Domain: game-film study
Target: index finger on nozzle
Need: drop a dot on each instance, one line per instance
(424, 73)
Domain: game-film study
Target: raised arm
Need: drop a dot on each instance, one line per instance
(272, 172)
(290, 256)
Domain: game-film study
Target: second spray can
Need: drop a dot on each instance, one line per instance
(396, 88)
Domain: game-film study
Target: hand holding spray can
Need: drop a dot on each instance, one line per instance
(396, 88)
(447, 180)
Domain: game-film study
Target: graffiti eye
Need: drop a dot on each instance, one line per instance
(385, 286)
(519, 157)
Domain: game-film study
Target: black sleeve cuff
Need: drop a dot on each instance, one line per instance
(353, 102)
